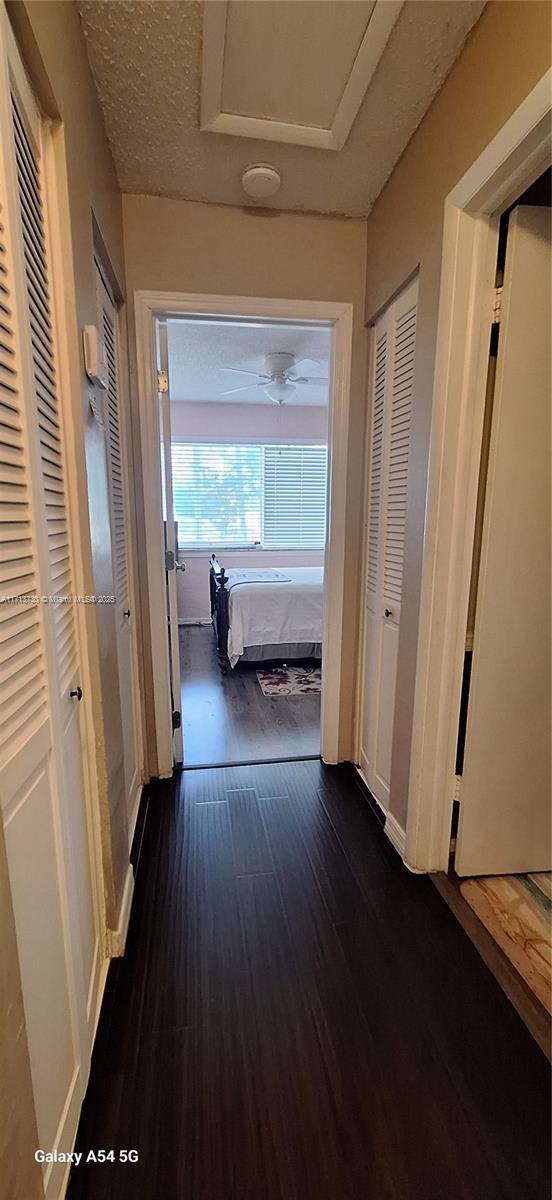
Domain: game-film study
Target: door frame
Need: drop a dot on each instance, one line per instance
(518, 154)
(338, 317)
(104, 276)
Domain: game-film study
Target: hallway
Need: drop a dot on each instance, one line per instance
(298, 1018)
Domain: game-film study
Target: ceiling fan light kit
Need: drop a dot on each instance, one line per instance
(279, 390)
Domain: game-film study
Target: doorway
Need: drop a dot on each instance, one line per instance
(295, 504)
(516, 157)
(247, 413)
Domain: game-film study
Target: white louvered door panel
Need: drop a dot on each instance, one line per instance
(376, 468)
(115, 450)
(46, 396)
(399, 442)
(23, 699)
(118, 511)
(41, 767)
(23, 702)
(390, 418)
(376, 465)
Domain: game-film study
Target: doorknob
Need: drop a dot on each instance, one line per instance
(76, 693)
(388, 612)
(126, 612)
(180, 566)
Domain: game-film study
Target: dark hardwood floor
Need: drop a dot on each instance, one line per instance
(226, 719)
(299, 1018)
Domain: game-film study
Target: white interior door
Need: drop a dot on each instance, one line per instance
(118, 505)
(505, 791)
(172, 565)
(43, 802)
(391, 404)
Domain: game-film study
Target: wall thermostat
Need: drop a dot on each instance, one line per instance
(95, 359)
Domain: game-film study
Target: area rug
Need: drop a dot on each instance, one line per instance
(517, 911)
(290, 681)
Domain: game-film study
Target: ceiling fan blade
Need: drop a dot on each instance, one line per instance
(306, 365)
(246, 387)
(238, 371)
(307, 379)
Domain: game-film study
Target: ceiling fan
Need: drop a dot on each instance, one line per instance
(280, 377)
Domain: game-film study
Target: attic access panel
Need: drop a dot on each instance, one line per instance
(294, 73)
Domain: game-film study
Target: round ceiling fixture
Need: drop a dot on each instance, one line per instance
(260, 181)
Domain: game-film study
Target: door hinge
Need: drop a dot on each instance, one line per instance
(176, 719)
(497, 305)
(162, 382)
(169, 560)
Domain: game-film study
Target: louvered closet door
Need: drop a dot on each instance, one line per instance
(391, 406)
(118, 504)
(41, 760)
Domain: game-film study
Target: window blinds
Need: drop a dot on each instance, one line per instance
(294, 497)
(269, 496)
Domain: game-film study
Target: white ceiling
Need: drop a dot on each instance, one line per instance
(146, 60)
(199, 349)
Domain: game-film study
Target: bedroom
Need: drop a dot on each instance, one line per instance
(247, 408)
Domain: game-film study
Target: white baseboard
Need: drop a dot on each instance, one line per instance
(397, 837)
(116, 938)
(137, 789)
(395, 833)
(362, 771)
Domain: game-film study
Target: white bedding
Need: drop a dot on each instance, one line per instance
(269, 613)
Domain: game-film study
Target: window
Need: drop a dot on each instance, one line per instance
(268, 496)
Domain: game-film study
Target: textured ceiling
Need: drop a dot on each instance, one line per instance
(146, 61)
(199, 350)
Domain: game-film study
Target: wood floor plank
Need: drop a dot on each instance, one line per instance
(251, 851)
(227, 718)
(328, 977)
(297, 1017)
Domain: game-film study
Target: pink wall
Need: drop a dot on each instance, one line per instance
(245, 423)
(248, 422)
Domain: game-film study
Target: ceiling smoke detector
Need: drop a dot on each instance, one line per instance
(261, 181)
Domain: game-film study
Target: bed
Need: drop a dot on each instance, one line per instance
(262, 614)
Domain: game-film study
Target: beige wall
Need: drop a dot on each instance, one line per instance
(52, 44)
(181, 246)
(505, 56)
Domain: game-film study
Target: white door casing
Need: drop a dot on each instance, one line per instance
(336, 316)
(391, 402)
(170, 539)
(505, 811)
(43, 802)
(117, 463)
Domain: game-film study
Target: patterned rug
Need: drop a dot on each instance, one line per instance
(289, 681)
(516, 910)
